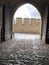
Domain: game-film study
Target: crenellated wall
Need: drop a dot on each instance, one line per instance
(27, 25)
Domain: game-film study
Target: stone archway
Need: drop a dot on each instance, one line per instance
(38, 5)
(10, 10)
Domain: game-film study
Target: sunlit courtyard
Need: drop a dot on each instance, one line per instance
(26, 36)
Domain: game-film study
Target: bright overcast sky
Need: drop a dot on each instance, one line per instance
(27, 11)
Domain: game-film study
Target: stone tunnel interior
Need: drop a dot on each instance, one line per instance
(26, 51)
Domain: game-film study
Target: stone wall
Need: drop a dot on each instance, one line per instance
(44, 23)
(7, 23)
(0, 21)
(27, 25)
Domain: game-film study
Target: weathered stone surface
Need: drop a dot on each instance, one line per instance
(24, 52)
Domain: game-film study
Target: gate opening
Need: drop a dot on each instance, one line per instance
(26, 22)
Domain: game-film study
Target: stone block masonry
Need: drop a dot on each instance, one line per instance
(28, 26)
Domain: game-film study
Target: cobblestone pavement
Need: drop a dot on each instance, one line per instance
(24, 52)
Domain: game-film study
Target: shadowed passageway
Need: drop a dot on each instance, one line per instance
(27, 51)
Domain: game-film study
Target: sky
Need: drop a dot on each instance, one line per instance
(27, 11)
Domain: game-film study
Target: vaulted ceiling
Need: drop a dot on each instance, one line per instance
(14, 4)
(11, 2)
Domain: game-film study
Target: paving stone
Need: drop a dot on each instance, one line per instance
(24, 52)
